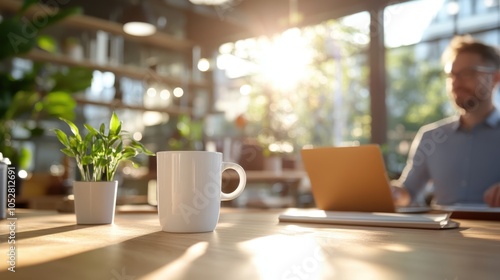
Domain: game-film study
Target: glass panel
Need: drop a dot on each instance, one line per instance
(302, 87)
(416, 93)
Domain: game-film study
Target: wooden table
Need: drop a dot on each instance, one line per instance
(247, 244)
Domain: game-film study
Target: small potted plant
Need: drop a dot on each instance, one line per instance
(97, 156)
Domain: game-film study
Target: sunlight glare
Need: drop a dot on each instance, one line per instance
(400, 248)
(181, 263)
(245, 89)
(226, 48)
(305, 260)
(284, 62)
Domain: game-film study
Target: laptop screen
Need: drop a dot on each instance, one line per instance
(348, 178)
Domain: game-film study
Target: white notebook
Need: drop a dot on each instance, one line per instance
(428, 221)
(465, 207)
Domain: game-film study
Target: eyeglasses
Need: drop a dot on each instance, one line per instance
(469, 72)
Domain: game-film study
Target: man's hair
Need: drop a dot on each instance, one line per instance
(467, 44)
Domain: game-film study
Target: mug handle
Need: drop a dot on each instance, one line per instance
(241, 185)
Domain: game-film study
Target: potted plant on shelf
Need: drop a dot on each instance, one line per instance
(97, 156)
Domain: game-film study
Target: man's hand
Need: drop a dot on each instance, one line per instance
(492, 195)
(400, 196)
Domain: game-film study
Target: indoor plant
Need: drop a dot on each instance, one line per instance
(97, 156)
(35, 93)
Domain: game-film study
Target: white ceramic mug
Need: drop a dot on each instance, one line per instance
(189, 189)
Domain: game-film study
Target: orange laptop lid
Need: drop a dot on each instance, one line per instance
(348, 178)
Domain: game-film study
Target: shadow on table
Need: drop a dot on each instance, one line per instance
(41, 232)
(158, 255)
(222, 254)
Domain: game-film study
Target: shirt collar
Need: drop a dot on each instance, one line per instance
(492, 120)
(456, 123)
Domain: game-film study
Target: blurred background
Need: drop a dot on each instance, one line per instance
(257, 80)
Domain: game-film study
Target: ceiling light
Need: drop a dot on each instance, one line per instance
(137, 20)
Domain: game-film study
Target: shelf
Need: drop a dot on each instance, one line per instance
(160, 40)
(119, 70)
(119, 105)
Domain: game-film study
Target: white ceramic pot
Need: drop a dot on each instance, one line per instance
(95, 202)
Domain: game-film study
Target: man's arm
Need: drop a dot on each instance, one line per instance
(415, 174)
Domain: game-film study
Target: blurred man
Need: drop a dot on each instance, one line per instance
(460, 155)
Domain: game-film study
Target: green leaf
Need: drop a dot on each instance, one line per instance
(73, 128)
(102, 162)
(119, 148)
(91, 129)
(98, 147)
(74, 80)
(59, 104)
(24, 158)
(102, 129)
(129, 153)
(68, 152)
(141, 148)
(22, 103)
(47, 43)
(87, 141)
(86, 160)
(114, 125)
(63, 138)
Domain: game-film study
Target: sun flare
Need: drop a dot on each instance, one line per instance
(284, 62)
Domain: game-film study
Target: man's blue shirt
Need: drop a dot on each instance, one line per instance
(460, 164)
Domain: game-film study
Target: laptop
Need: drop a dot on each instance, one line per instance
(351, 179)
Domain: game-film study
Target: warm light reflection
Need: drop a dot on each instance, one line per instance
(400, 248)
(151, 118)
(281, 147)
(151, 92)
(226, 48)
(137, 136)
(224, 225)
(203, 65)
(305, 260)
(23, 174)
(127, 170)
(178, 92)
(152, 198)
(165, 94)
(361, 269)
(245, 89)
(181, 263)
